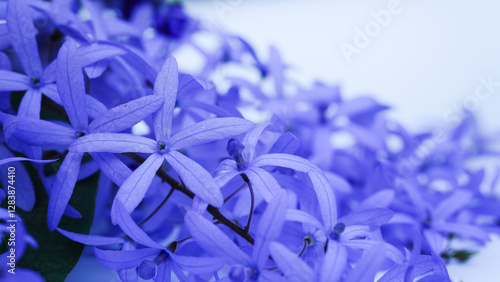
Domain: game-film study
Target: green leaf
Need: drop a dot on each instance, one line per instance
(463, 255)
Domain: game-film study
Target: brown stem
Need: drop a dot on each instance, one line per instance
(234, 193)
(252, 203)
(158, 207)
(211, 209)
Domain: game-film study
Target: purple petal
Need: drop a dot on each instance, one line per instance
(210, 130)
(91, 240)
(269, 227)
(22, 34)
(439, 266)
(4, 37)
(435, 240)
(213, 240)
(224, 178)
(126, 115)
(118, 27)
(271, 276)
(415, 196)
(94, 107)
(196, 178)
(41, 132)
(355, 231)
(326, 198)
(128, 275)
(287, 143)
(365, 136)
(216, 110)
(359, 106)
(13, 81)
(253, 89)
(189, 84)
(334, 263)
(112, 167)
(127, 224)
(96, 69)
(94, 9)
(304, 218)
(276, 70)
(291, 265)
(63, 188)
(18, 159)
(368, 266)
(263, 183)
(452, 204)
(251, 141)
(50, 73)
(50, 90)
(166, 86)
(423, 265)
(164, 273)
(372, 217)
(30, 104)
(179, 273)
(285, 160)
(464, 230)
(390, 251)
(70, 85)
(135, 60)
(95, 52)
(135, 187)
(88, 169)
(72, 212)
(118, 260)
(381, 199)
(198, 265)
(5, 63)
(65, 20)
(113, 143)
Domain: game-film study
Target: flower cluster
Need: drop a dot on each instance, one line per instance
(255, 179)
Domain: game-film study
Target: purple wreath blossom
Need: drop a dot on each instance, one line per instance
(166, 145)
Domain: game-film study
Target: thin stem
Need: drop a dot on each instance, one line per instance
(158, 207)
(252, 203)
(303, 251)
(234, 193)
(184, 239)
(211, 209)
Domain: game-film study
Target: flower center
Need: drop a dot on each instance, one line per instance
(308, 240)
(163, 146)
(80, 134)
(35, 80)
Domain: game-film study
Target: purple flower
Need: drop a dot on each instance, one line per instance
(166, 145)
